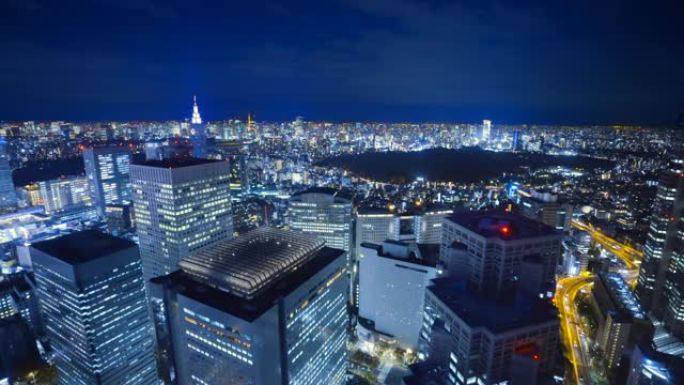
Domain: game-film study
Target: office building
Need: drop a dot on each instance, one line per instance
(490, 322)
(323, 213)
(660, 286)
(107, 169)
(8, 197)
(268, 307)
(375, 225)
(64, 193)
(392, 281)
(92, 296)
(491, 248)
(420, 225)
(181, 206)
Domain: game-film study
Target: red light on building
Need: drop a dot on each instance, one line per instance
(536, 357)
(505, 230)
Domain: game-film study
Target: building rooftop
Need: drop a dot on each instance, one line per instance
(425, 254)
(621, 294)
(317, 190)
(83, 246)
(249, 264)
(484, 312)
(108, 149)
(335, 193)
(177, 162)
(502, 225)
(248, 308)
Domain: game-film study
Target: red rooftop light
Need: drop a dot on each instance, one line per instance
(505, 230)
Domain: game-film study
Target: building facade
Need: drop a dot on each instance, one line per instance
(60, 194)
(392, 281)
(489, 321)
(268, 307)
(660, 286)
(374, 225)
(621, 318)
(181, 206)
(92, 296)
(107, 170)
(8, 197)
(323, 213)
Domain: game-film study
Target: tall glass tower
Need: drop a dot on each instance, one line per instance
(92, 296)
(181, 206)
(8, 197)
(660, 287)
(269, 307)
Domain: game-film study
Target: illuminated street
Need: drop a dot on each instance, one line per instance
(571, 331)
(573, 337)
(627, 254)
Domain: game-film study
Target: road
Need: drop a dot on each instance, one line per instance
(571, 332)
(630, 256)
(567, 290)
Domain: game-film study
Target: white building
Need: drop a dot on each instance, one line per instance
(392, 281)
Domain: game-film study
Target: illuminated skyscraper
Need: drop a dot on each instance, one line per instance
(198, 134)
(92, 296)
(181, 206)
(8, 197)
(269, 307)
(486, 129)
(107, 169)
(323, 213)
(660, 287)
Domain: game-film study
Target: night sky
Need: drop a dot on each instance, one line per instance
(598, 61)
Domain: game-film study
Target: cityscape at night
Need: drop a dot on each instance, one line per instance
(380, 192)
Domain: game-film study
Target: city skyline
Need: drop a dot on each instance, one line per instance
(383, 192)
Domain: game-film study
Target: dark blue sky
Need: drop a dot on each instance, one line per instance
(552, 61)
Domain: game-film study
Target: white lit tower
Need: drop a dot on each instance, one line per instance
(486, 129)
(198, 134)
